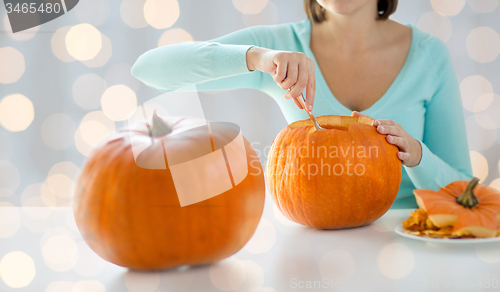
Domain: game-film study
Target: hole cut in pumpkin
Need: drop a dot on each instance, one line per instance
(333, 122)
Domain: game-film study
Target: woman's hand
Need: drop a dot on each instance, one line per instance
(288, 69)
(410, 150)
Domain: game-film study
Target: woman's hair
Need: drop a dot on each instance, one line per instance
(315, 12)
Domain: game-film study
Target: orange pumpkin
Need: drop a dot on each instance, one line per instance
(345, 176)
(471, 208)
(132, 216)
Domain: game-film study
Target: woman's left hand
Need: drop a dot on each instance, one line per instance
(410, 150)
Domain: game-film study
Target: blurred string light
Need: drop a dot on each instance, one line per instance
(483, 6)
(16, 112)
(483, 102)
(38, 202)
(18, 36)
(59, 249)
(483, 44)
(479, 165)
(337, 265)
(103, 56)
(479, 137)
(12, 65)
(58, 130)
(485, 121)
(448, 7)
(118, 102)
(233, 274)
(17, 269)
(161, 14)
(38, 195)
(83, 41)
(174, 36)
(250, 6)
(131, 12)
(94, 12)
(6, 194)
(94, 127)
(246, 275)
(219, 273)
(88, 89)
(396, 260)
(268, 16)
(38, 208)
(60, 253)
(435, 24)
(474, 88)
(58, 44)
(61, 180)
(10, 220)
(9, 176)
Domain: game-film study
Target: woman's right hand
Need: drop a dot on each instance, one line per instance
(288, 69)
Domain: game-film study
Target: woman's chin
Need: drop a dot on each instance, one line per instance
(344, 7)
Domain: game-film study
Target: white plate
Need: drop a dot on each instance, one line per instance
(399, 230)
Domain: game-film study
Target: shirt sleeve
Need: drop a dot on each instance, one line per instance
(218, 64)
(445, 151)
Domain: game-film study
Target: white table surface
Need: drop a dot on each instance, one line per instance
(281, 256)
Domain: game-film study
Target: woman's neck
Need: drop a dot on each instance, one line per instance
(355, 32)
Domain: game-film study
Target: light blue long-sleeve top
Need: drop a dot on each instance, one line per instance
(424, 98)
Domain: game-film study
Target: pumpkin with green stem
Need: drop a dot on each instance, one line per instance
(129, 211)
(471, 208)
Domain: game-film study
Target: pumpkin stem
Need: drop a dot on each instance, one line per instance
(159, 127)
(468, 199)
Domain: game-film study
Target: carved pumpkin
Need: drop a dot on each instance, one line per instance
(132, 216)
(346, 176)
(471, 208)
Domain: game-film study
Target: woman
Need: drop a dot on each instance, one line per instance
(349, 58)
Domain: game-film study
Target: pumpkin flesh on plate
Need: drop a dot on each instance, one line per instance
(479, 216)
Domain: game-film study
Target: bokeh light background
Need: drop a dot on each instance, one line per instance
(66, 85)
